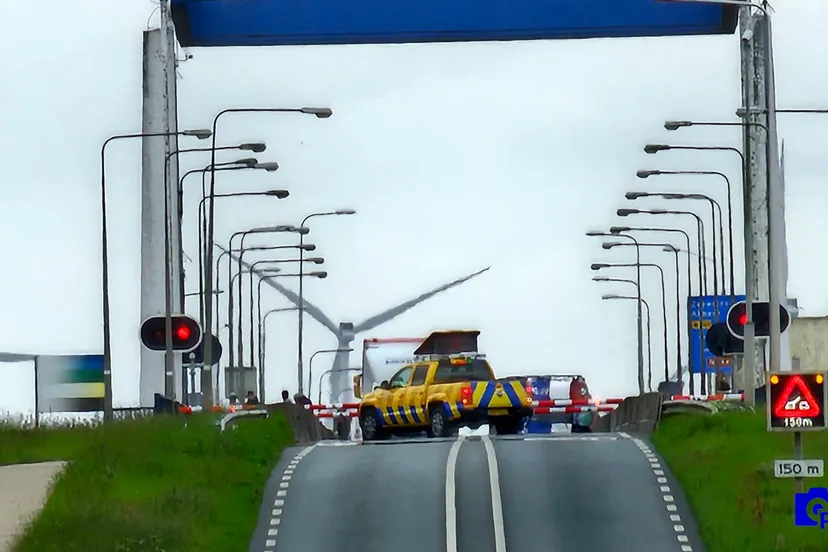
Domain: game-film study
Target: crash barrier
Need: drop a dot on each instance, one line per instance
(642, 413)
(234, 416)
(683, 406)
(306, 427)
(639, 414)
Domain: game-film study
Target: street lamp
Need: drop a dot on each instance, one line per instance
(639, 317)
(305, 247)
(239, 164)
(618, 229)
(745, 177)
(252, 271)
(278, 194)
(168, 224)
(319, 113)
(714, 205)
(310, 363)
(107, 326)
(263, 332)
(332, 371)
(673, 249)
(640, 301)
(699, 227)
(266, 275)
(637, 265)
(301, 310)
(244, 233)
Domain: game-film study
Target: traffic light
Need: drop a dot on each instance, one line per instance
(721, 342)
(737, 318)
(186, 333)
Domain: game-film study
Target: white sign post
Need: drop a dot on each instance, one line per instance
(798, 468)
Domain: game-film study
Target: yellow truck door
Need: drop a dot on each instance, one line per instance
(394, 411)
(415, 395)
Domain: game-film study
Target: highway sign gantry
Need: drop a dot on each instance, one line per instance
(796, 401)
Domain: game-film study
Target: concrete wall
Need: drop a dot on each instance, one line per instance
(809, 342)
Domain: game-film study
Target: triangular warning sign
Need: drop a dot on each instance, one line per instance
(804, 406)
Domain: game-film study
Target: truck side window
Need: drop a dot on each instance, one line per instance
(400, 379)
(420, 373)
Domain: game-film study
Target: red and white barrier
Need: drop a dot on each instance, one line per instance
(336, 406)
(547, 403)
(721, 397)
(574, 409)
(347, 414)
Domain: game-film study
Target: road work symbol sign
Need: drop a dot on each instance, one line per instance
(796, 401)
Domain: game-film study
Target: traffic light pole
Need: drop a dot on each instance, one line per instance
(169, 358)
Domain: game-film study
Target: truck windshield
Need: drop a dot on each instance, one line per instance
(475, 370)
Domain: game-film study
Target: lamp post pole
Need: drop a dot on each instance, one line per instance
(107, 325)
(321, 113)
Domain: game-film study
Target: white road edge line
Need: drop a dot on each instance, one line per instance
(284, 484)
(451, 495)
(664, 489)
(497, 502)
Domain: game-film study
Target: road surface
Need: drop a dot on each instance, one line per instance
(550, 493)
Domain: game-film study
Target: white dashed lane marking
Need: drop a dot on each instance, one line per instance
(278, 504)
(666, 493)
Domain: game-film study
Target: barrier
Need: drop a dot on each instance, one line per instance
(336, 406)
(227, 418)
(574, 409)
(347, 414)
(682, 406)
(721, 397)
(352, 412)
(639, 414)
(575, 402)
(306, 427)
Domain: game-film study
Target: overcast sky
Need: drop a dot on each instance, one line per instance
(456, 156)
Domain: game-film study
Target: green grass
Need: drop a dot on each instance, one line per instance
(164, 484)
(725, 466)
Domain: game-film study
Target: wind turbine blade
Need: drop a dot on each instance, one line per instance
(315, 312)
(394, 312)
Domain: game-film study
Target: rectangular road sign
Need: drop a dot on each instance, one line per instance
(305, 22)
(796, 401)
(701, 314)
(798, 468)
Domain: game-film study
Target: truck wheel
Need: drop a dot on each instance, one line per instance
(438, 423)
(370, 425)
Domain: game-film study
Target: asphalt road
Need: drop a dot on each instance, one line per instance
(548, 494)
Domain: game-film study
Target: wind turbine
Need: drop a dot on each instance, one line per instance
(345, 332)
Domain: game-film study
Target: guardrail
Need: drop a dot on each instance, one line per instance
(227, 418)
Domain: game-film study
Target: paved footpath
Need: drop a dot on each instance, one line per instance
(23, 491)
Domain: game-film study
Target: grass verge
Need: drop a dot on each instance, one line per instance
(725, 466)
(164, 484)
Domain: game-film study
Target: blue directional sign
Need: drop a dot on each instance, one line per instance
(701, 314)
(304, 22)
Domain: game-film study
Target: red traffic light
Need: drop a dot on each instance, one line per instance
(737, 318)
(186, 333)
(182, 333)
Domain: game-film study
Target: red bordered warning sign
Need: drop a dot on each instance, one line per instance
(796, 401)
